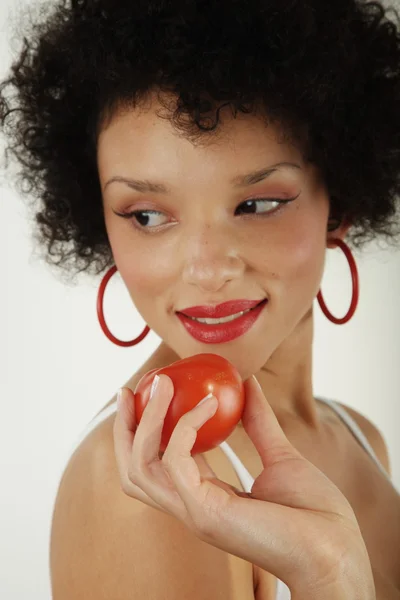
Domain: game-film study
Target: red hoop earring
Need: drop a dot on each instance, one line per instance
(356, 288)
(327, 313)
(100, 314)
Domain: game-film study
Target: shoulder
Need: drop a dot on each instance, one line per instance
(96, 528)
(373, 435)
(86, 522)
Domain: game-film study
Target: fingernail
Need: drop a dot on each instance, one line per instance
(256, 381)
(119, 398)
(204, 399)
(154, 386)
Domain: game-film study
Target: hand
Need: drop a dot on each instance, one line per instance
(295, 523)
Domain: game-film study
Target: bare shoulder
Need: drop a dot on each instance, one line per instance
(373, 435)
(105, 544)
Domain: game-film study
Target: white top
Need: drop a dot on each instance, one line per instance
(247, 481)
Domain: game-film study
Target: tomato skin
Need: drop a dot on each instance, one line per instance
(193, 378)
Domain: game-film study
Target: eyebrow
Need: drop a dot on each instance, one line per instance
(146, 186)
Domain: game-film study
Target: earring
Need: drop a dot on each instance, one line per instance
(100, 314)
(355, 282)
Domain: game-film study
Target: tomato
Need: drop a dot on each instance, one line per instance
(193, 378)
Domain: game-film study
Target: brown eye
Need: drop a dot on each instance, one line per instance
(249, 207)
(142, 218)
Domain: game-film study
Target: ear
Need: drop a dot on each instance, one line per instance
(340, 233)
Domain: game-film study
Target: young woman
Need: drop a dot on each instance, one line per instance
(212, 152)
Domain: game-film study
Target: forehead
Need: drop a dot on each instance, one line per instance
(148, 127)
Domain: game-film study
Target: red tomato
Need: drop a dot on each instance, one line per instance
(193, 379)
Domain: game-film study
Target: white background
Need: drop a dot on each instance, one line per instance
(58, 369)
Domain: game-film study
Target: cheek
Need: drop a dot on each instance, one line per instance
(144, 272)
(300, 252)
(306, 271)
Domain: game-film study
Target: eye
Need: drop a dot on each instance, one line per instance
(142, 217)
(249, 207)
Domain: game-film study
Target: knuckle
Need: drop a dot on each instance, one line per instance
(125, 485)
(167, 458)
(169, 461)
(134, 474)
(184, 422)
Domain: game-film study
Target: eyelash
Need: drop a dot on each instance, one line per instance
(143, 229)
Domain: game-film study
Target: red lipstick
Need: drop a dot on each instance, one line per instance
(219, 333)
(220, 310)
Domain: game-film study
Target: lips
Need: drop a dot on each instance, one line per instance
(222, 332)
(225, 309)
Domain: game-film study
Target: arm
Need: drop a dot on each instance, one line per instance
(384, 590)
(339, 578)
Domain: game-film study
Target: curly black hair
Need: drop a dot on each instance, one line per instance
(328, 72)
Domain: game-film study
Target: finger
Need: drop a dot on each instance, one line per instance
(146, 447)
(124, 429)
(146, 472)
(206, 472)
(262, 426)
(146, 469)
(199, 496)
(178, 454)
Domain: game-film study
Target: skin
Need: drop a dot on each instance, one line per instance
(199, 251)
(196, 250)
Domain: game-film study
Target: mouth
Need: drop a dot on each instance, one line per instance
(224, 329)
(222, 320)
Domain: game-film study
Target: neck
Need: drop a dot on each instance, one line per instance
(286, 378)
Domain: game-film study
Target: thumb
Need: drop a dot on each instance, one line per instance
(262, 426)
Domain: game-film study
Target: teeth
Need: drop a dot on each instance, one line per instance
(222, 320)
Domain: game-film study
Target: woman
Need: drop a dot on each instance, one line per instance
(213, 152)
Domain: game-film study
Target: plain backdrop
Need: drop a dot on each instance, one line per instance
(58, 369)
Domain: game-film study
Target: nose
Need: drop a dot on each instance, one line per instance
(212, 258)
